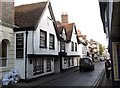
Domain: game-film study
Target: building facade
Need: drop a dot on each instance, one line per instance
(36, 41)
(110, 14)
(6, 37)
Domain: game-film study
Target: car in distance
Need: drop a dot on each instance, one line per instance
(102, 58)
(86, 64)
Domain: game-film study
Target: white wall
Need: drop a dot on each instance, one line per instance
(46, 25)
(68, 45)
(20, 62)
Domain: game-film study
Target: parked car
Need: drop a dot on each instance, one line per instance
(86, 64)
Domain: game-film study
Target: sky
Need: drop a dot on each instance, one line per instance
(84, 13)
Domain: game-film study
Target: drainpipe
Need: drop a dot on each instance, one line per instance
(26, 55)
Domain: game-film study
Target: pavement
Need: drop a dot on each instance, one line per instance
(104, 82)
(41, 80)
(101, 81)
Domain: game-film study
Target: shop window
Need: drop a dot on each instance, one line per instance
(48, 63)
(72, 61)
(51, 41)
(68, 62)
(38, 66)
(43, 39)
(65, 61)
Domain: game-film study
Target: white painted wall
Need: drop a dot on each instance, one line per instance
(20, 62)
(33, 44)
(46, 25)
(68, 45)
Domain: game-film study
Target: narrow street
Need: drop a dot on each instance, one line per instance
(86, 78)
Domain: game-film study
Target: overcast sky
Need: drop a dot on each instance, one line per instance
(85, 14)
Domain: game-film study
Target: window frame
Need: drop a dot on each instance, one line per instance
(38, 66)
(49, 65)
(51, 42)
(72, 46)
(62, 46)
(45, 39)
(1, 56)
(76, 47)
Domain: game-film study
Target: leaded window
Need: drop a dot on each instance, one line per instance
(51, 41)
(38, 66)
(43, 39)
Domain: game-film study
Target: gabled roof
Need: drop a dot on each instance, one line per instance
(69, 30)
(68, 27)
(28, 15)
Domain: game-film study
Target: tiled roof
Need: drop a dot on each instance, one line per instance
(69, 30)
(28, 15)
(68, 27)
(60, 29)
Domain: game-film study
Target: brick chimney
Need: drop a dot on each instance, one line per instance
(64, 18)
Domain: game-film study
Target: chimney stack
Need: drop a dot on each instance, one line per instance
(7, 11)
(64, 18)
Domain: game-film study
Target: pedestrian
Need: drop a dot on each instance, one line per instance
(107, 67)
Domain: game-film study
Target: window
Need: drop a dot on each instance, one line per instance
(68, 62)
(62, 46)
(43, 39)
(3, 53)
(48, 63)
(65, 61)
(51, 42)
(38, 66)
(75, 46)
(72, 61)
(72, 46)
